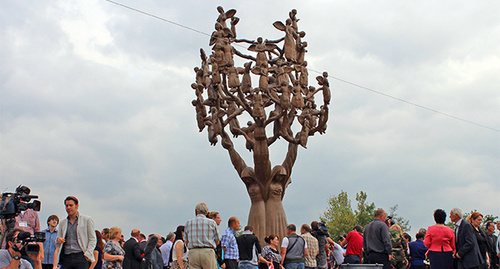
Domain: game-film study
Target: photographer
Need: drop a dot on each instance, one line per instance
(11, 258)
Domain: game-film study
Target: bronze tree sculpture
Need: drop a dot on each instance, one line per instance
(224, 92)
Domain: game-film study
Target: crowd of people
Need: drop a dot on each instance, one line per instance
(73, 242)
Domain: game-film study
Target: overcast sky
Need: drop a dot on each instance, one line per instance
(96, 102)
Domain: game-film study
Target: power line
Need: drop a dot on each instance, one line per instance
(338, 79)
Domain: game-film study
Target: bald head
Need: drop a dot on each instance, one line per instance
(380, 214)
(135, 233)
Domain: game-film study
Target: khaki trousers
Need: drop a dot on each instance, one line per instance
(202, 258)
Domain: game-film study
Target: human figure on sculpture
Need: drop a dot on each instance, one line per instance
(293, 249)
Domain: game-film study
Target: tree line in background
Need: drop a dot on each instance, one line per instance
(340, 217)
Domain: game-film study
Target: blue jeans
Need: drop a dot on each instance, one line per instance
(247, 265)
(294, 265)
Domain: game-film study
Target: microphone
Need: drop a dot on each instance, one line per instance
(150, 246)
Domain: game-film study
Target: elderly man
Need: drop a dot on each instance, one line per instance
(133, 254)
(202, 237)
(376, 240)
(467, 253)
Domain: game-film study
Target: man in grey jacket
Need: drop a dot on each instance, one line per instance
(76, 239)
(376, 240)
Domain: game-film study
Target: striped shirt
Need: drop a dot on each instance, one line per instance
(228, 240)
(201, 232)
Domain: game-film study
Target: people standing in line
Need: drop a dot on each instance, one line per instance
(133, 254)
(467, 254)
(312, 246)
(76, 238)
(376, 240)
(270, 254)
(492, 240)
(476, 219)
(354, 242)
(165, 250)
(417, 252)
(49, 245)
(293, 249)
(249, 249)
(202, 237)
(399, 247)
(113, 253)
(98, 251)
(218, 250)
(441, 242)
(179, 252)
(229, 244)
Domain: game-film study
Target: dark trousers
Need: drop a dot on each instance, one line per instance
(74, 261)
(231, 264)
(47, 266)
(352, 259)
(380, 258)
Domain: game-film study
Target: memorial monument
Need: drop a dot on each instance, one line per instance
(225, 94)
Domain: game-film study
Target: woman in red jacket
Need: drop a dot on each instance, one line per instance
(441, 242)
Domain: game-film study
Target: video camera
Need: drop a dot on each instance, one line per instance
(26, 238)
(13, 203)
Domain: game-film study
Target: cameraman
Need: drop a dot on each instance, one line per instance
(11, 258)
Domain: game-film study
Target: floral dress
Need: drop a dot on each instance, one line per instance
(112, 248)
(268, 253)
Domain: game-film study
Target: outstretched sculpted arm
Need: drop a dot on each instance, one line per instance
(238, 162)
(290, 158)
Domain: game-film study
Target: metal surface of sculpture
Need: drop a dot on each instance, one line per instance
(225, 92)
